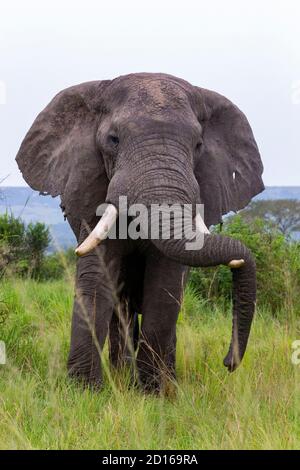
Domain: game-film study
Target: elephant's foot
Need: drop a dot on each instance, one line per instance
(155, 374)
(162, 383)
(120, 362)
(119, 356)
(87, 374)
(92, 383)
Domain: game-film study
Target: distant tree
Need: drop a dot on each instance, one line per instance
(12, 233)
(37, 239)
(282, 213)
(12, 230)
(22, 248)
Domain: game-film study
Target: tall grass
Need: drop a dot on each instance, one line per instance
(257, 407)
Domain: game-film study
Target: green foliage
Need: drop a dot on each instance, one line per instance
(278, 266)
(22, 248)
(12, 231)
(58, 265)
(37, 239)
(23, 251)
(52, 267)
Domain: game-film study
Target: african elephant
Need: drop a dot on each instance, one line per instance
(156, 139)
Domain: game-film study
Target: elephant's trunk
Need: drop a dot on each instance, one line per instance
(216, 250)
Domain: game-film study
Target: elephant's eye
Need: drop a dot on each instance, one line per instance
(113, 139)
(198, 145)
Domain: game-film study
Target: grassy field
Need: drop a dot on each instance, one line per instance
(257, 407)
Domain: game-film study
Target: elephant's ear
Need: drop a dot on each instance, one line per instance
(229, 166)
(58, 156)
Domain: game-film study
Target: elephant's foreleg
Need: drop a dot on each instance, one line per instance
(163, 287)
(95, 300)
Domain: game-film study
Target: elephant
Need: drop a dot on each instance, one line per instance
(155, 139)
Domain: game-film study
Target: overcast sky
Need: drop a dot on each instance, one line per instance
(247, 50)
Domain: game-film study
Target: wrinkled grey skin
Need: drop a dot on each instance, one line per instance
(156, 139)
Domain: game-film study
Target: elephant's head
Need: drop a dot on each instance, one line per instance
(156, 139)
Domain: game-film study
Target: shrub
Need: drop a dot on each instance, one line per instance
(22, 249)
(51, 268)
(36, 241)
(12, 232)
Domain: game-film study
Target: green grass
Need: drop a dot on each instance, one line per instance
(257, 407)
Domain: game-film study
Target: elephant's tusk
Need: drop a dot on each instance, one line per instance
(100, 232)
(200, 225)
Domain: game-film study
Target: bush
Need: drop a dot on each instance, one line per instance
(278, 266)
(51, 268)
(36, 241)
(54, 266)
(22, 249)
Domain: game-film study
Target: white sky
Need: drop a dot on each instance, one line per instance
(247, 50)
